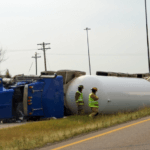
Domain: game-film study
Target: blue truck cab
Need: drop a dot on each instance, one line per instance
(34, 99)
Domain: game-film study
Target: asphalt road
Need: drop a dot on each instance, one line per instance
(134, 135)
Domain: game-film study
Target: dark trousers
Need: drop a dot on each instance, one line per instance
(80, 110)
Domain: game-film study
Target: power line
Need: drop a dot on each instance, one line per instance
(20, 50)
(125, 54)
(30, 67)
(48, 64)
(102, 54)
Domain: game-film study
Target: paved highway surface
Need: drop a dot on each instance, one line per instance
(134, 135)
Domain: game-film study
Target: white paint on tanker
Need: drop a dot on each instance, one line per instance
(115, 93)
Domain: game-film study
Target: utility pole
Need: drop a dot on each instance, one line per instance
(43, 44)
(88, 49)
(36, 61)
(147, 35)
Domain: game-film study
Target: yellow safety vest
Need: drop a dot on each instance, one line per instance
(80, 99)
(92, 103)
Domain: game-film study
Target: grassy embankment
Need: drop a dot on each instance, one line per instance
(37, 134)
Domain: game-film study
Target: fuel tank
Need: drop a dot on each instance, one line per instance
(115, 93)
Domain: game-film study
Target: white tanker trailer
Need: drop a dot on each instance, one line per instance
(115, 93)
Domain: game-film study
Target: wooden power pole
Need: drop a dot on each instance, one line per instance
(88, 49)
(36, 61)
(43, 44)
(147, 35)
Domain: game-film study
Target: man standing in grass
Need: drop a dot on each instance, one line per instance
(79, 99)
(93, 103)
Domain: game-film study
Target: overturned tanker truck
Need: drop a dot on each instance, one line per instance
(35, 97)
(49, 95)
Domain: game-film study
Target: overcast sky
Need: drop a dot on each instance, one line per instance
(117, 38)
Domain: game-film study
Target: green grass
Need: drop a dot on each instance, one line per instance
(38, 134)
